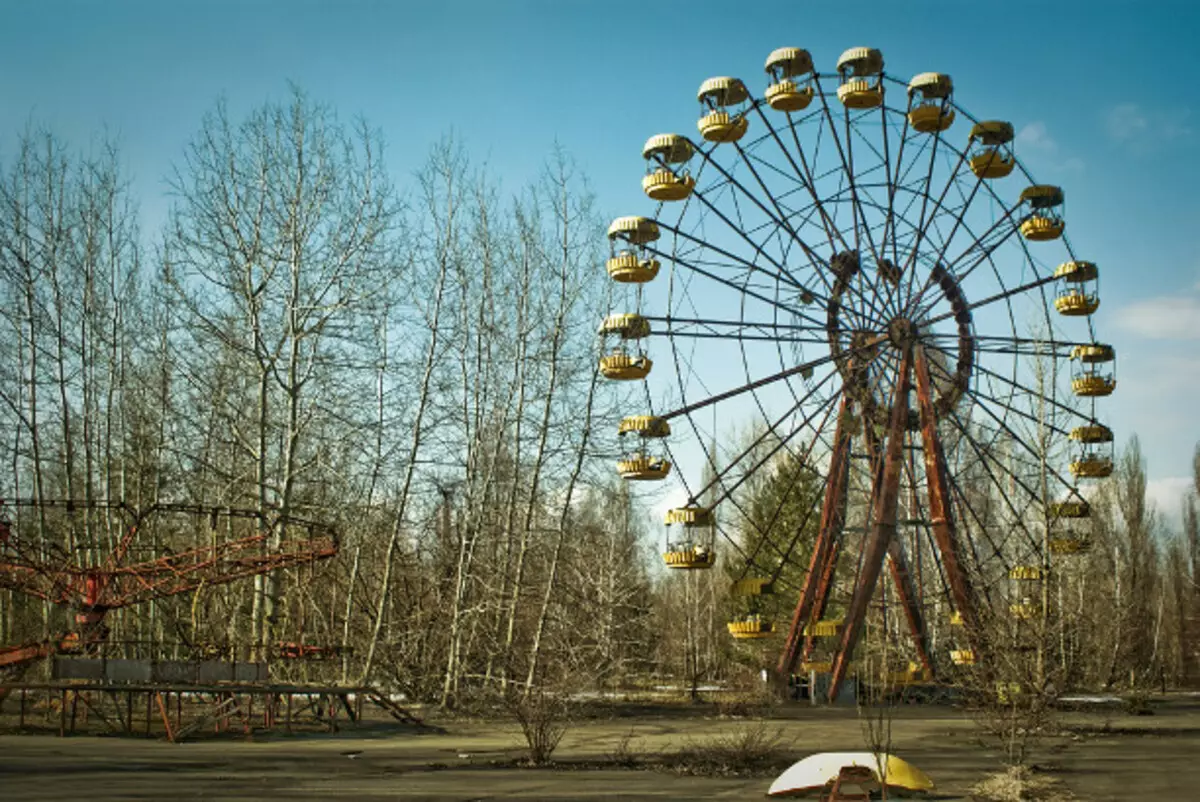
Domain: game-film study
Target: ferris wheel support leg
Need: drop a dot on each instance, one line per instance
(906, 590)
(941, 511)
(824, 555)
(822, 600)
(886, 495)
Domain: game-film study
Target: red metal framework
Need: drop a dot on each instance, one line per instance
(94, 587)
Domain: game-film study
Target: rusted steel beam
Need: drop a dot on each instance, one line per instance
(886, 494)
(824, 553)
(941, 510)
(823, 591)
(902, 577)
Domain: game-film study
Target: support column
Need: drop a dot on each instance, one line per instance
(898, 566)
(941, 510)
(886, 493)
(824, 553)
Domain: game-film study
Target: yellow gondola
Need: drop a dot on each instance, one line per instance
(750, 627)
(962, 657)
(828, 628)
(1088, 379)
(647, 460)
(717, 97)
(1079, 294)
(663, 182)
(1070, 509)
(689, 538)
(1044, 220)
(1094, 460)
(630, 264)
(1024, 609)
(861, 73)
(751, 586)
(990, 149)
(624, 361)
(929, 102)
(956, 619)
(785, 66)
(1025, 573)
(1070, 543)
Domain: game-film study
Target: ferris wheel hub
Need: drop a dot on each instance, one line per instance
(902, 333)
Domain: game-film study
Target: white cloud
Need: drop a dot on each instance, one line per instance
(1140, 130)
(1125, 122)
(1169, 317)
(1033, 136)
(1166, 494)
(1035, 140)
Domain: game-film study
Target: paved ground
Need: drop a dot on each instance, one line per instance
(1145, 758)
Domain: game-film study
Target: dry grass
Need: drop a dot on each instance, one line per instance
(1019, 784)
(753, 749)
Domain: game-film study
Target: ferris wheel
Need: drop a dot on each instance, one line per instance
(871, 276)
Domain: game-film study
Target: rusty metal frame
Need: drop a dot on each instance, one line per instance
(886, 493)
(941, 509)
(825, 550)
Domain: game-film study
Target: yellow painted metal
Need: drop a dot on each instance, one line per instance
(1073, 302)
(1006, 692)
(1025, 573)
(912, 675)
(627, 268)
(1093, 386)
(689, 516)
(1092, 467)
(859, 61)
(699, 557)
(1093, 353)
(1038, 228)
(858, 93)
(1068, 545)
(750, 586)
(664, 185)
(1077, 271)
(962, 657)
(788, 62)
(1094, 433)
(634, 230)
(829, 628)
(1042, 196)
(718, 126)
(625, 367)
(670, 148)
(992, 132)
(628, 326)
(956, 619)
(1070, 509)
(1023, 610)
(991, 162)
(930, 117)
(786, 95)
(723, 91)
(751, 627)
(818, 667)
(644, 425)
(932, 85)
(643, 467)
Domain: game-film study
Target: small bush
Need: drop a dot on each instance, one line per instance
(1019, 784)
(752, 749)
(544, 718)
(625, 754)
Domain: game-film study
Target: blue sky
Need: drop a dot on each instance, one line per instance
(1102, 94)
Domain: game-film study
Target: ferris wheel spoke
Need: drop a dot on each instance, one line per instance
(803, 465)
(739, 229)
(1049, 399)
(719, 475)
(984, 456)
(1033, 453)
(763, 382)
(804, 174)
(745, 290)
